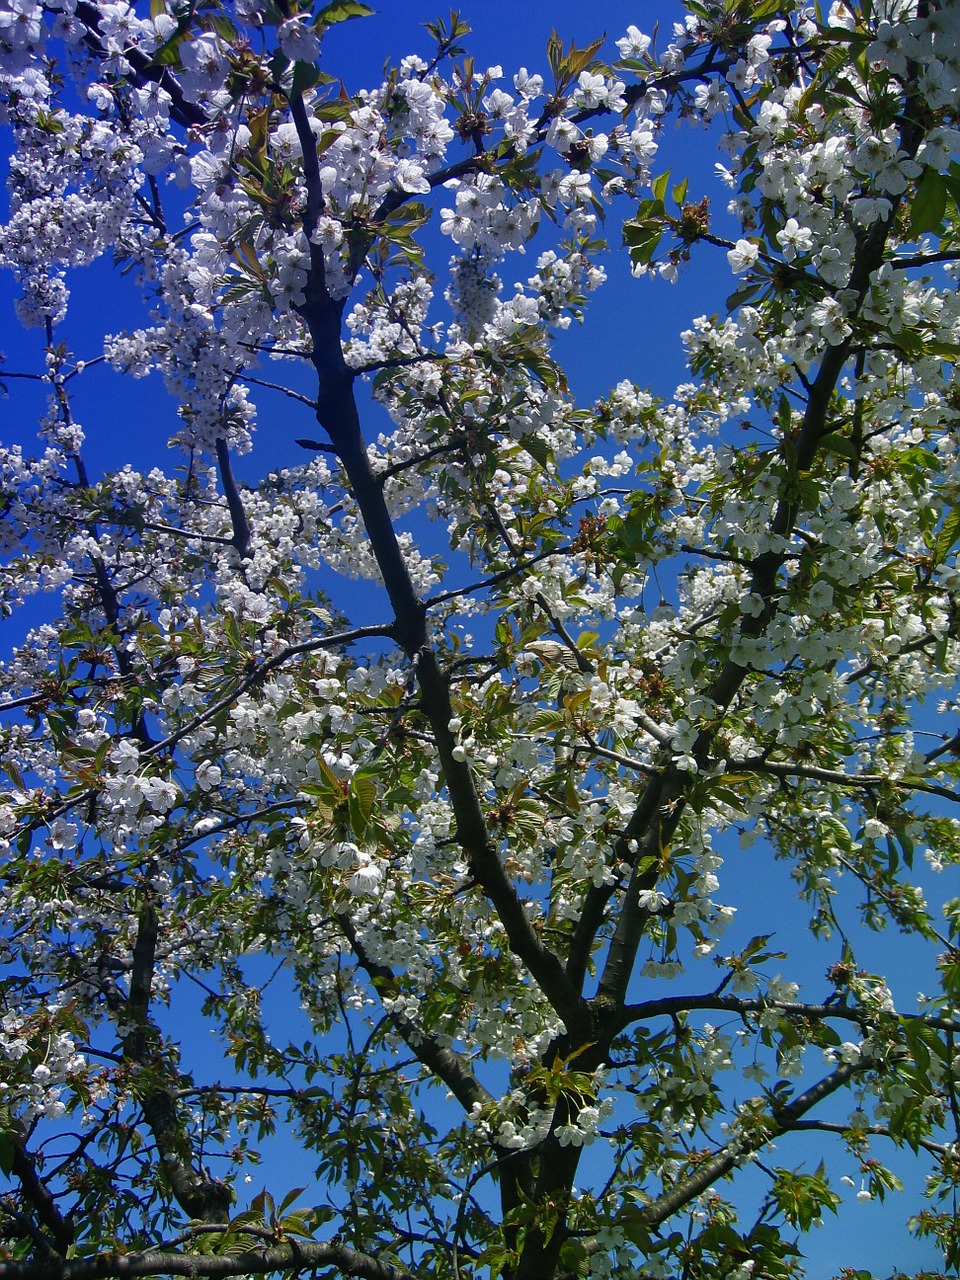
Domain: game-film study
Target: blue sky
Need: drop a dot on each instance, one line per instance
(632, 331)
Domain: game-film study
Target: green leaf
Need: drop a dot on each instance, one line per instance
(929, 204)
(410, 216)
(642, 239)
(7, 1151)
(576, 60)
(168, 55)
(290, 1198)
(305, 76)
(740, 296)
(838, 444)
(660, 186)
(361, 801)
(950, 974)
(537, 448)
(802, 1197)
(948, 536)
(573, 1257)
(784, 415)
(949, 351)
(16, 777)
(551, 375)
(952, 180)
(342, 11)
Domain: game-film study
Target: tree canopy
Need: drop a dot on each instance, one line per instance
(480, 871)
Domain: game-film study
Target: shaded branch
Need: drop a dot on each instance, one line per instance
(238, 516)
(277, 386)
(24, 1169)
(495, 578)
(337, 412)
(291, 1256)
(660, 807)
(735, 1152)
(199, 1195)
(669, 1006)
(872, 1130)
(315, 202)
(924, 259)
(260, 673)
(869, 668)
(143, 69)
(783, 769)
(446, 1064)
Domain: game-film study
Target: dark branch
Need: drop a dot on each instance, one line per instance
(736, 1152)
(293, 1256)
(445, 1064)
(238, 516)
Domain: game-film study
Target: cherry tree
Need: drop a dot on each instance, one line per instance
(499, 829)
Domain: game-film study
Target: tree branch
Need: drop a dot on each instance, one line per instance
(669, 1006)
(872, 1130)
(337, 412)
(238, 516)
(293, 1256)
(735, 1152)
(661, 805)
(445, 1064)
(24, 1169)
(837, 777)
(145, 71)
(260, 673)
(199, 1195)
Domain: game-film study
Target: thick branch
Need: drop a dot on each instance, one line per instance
(837, 777)
(35, 1192)
(315, 202)
(238, 516)
(484, 859)
(661, 805)
(292, 1256)
(940, 1149)
(649, 831)
(199, 1195)
(337, 413)
(260, 673)
(143, 69)
(669, 1006)
(503, 575)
